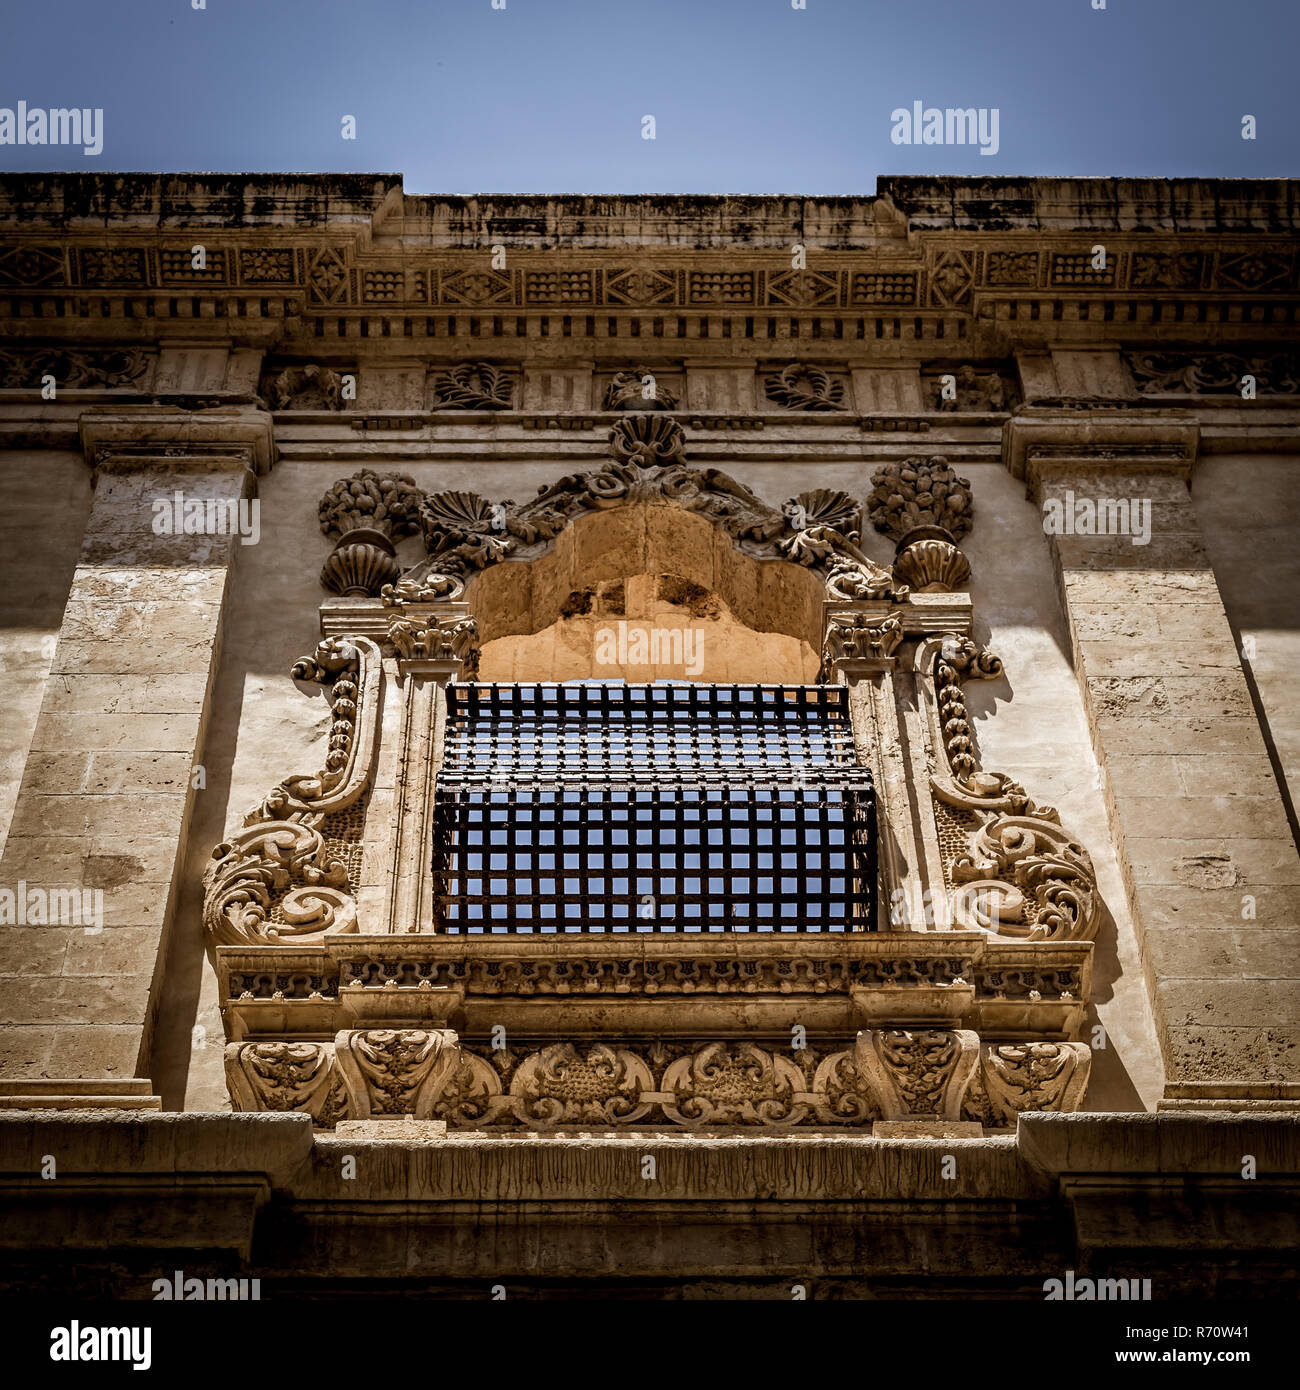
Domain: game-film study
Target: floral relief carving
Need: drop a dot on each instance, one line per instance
(73, 369)
(916, 1072)
(1033, 1077)
(287, 1077)
(925, 1074)
(472, 386)
(803, 386)
(1214, 373)
(558, 1085)
(394, 1071)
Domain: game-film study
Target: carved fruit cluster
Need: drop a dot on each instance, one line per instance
(388, 503)
(919, 492)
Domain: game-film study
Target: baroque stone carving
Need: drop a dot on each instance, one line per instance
(803, 386)
(858, 637)
(307, 388)
(431, 639)
(287, 1077)
(890, 1074)
(1214, 373)
(1032, 1077)
(363, 514)
(1021, 875)
(924, 506)
(917, 1072)
(628, 391)
(986, 392)
(465, 532)
(276, 879)
(394, 1071)
(914, 492)
(472, 386)
(72, 368)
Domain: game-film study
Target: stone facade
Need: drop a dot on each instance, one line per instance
(999, 471)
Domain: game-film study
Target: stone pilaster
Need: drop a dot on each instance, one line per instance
(99, 827)
(1209, 860)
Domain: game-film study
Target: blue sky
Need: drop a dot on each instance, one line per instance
(748, 96)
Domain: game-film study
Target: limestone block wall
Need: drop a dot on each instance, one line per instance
(47, 500)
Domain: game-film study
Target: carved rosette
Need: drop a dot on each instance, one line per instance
(276, 880)
(363, 514)
(1021, 876)
(923, 1074)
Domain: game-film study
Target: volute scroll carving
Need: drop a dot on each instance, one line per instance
(1021, 875)
(276, 880)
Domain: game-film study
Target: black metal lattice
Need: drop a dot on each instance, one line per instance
(662, 808)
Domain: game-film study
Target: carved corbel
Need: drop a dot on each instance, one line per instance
(1022, 876)
(430, 641)
(1029, 1078)
(276, 879)
(300, 1078)
(396, 1071)
(859, 642)
(916, 1073)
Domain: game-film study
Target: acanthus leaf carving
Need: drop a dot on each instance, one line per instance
(287, 1078)
(916, 1073)
(1035, 1077)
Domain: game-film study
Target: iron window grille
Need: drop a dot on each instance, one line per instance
(610, 807)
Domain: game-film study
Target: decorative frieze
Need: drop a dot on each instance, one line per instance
(74, 369)
(1215, 373)
(887, 1074)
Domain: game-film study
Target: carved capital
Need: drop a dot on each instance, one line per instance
(853, 638)
(429, 639)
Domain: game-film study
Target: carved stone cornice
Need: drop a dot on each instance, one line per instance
(126, 438)
(1037, 445)
(562, 988)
